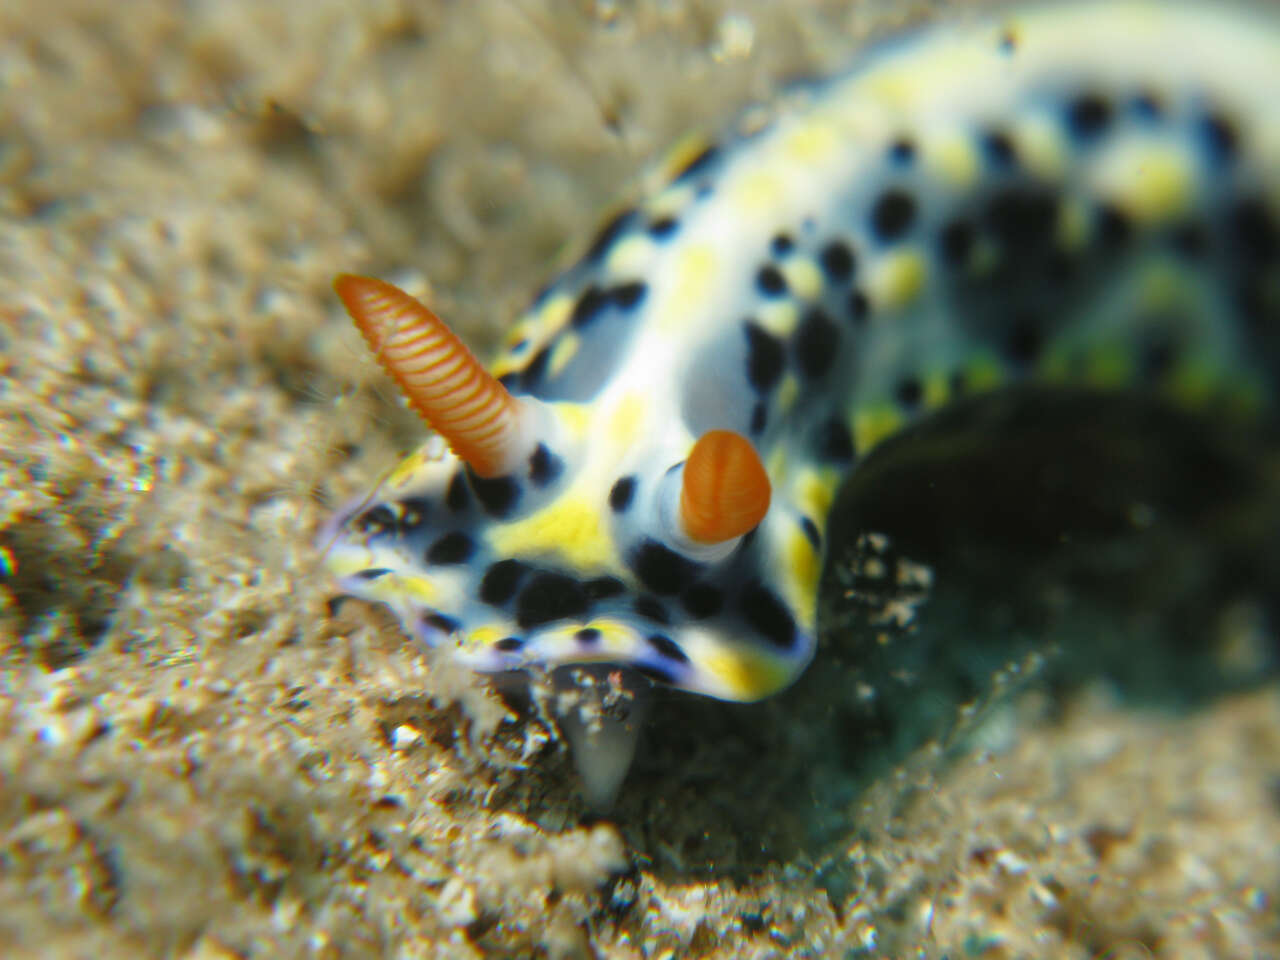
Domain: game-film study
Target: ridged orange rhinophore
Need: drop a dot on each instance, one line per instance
(726, 490)
(443, 381)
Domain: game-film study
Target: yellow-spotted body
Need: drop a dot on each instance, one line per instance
(1086, 193)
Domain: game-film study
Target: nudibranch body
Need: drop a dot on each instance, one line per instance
(1082, 194)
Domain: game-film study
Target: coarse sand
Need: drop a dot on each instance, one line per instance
(198, 759)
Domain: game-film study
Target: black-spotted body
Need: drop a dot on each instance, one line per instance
(1085, 194)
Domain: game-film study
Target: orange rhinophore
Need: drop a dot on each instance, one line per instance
(444, 382)
(726, 490)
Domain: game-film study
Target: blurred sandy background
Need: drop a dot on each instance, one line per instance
(197, 761)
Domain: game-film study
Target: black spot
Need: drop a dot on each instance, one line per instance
(1088, 115)
(1221, 138)
(511, 379)
(1008, 43)
(1255, 231)
(834, 442)
(1114, 228)
(816, 342)
(509, 644)
(602, 588)
(455, 547)
(587, 636)
(902, 152)
(893, 214)
(373, 573)
(532, 375)
(544, 466)
(651, 608)
(956, 241)
(767, 615)
(837, 261)
(698, 164)
(376, 520)
(663, 227)
(413, 511)
(998, 148)
(1156, 355)
(759, 418)
(547, 597)
(1146, 106)
(1024, 342)
(667, 647)
(497, 495)
(764, 358)
(661, 569)
(500, 581)
(608, 233)
(627, 295)
(591, 301)
(781, 245)
(458, 496)
(859, 307)
(771, 281)
(909, 393)
(654, 673)
(621, 493)
(1023, 219)
(702, 600)
(1190, 240)
(811, 532)
(440, 622)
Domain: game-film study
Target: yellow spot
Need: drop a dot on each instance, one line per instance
(517, 333)
(408, 468)
(937, 391)
(811, 144)
(347, 561)
(758, 192)
(1039, 146)
(1192, 383)
(682, 154)
(896, 280)
(982, 373)
(1151, 182)
(951, 158)
(1072, 229)
(873, 424)
(1109, 366)
(562, 353)
(1163, 286)
(572, 527)
(803, 278)
(632, 255)
(574, 418)
(482, 637)
(397, 587)
(554, 313)
(745, 676)
(671, 201)
(814, 491)
(695, 275)
(788, 393)
(627, 420)
(776, 466)
(803, 566)
(778, 317)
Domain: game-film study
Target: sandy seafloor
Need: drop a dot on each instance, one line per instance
(197, 760)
